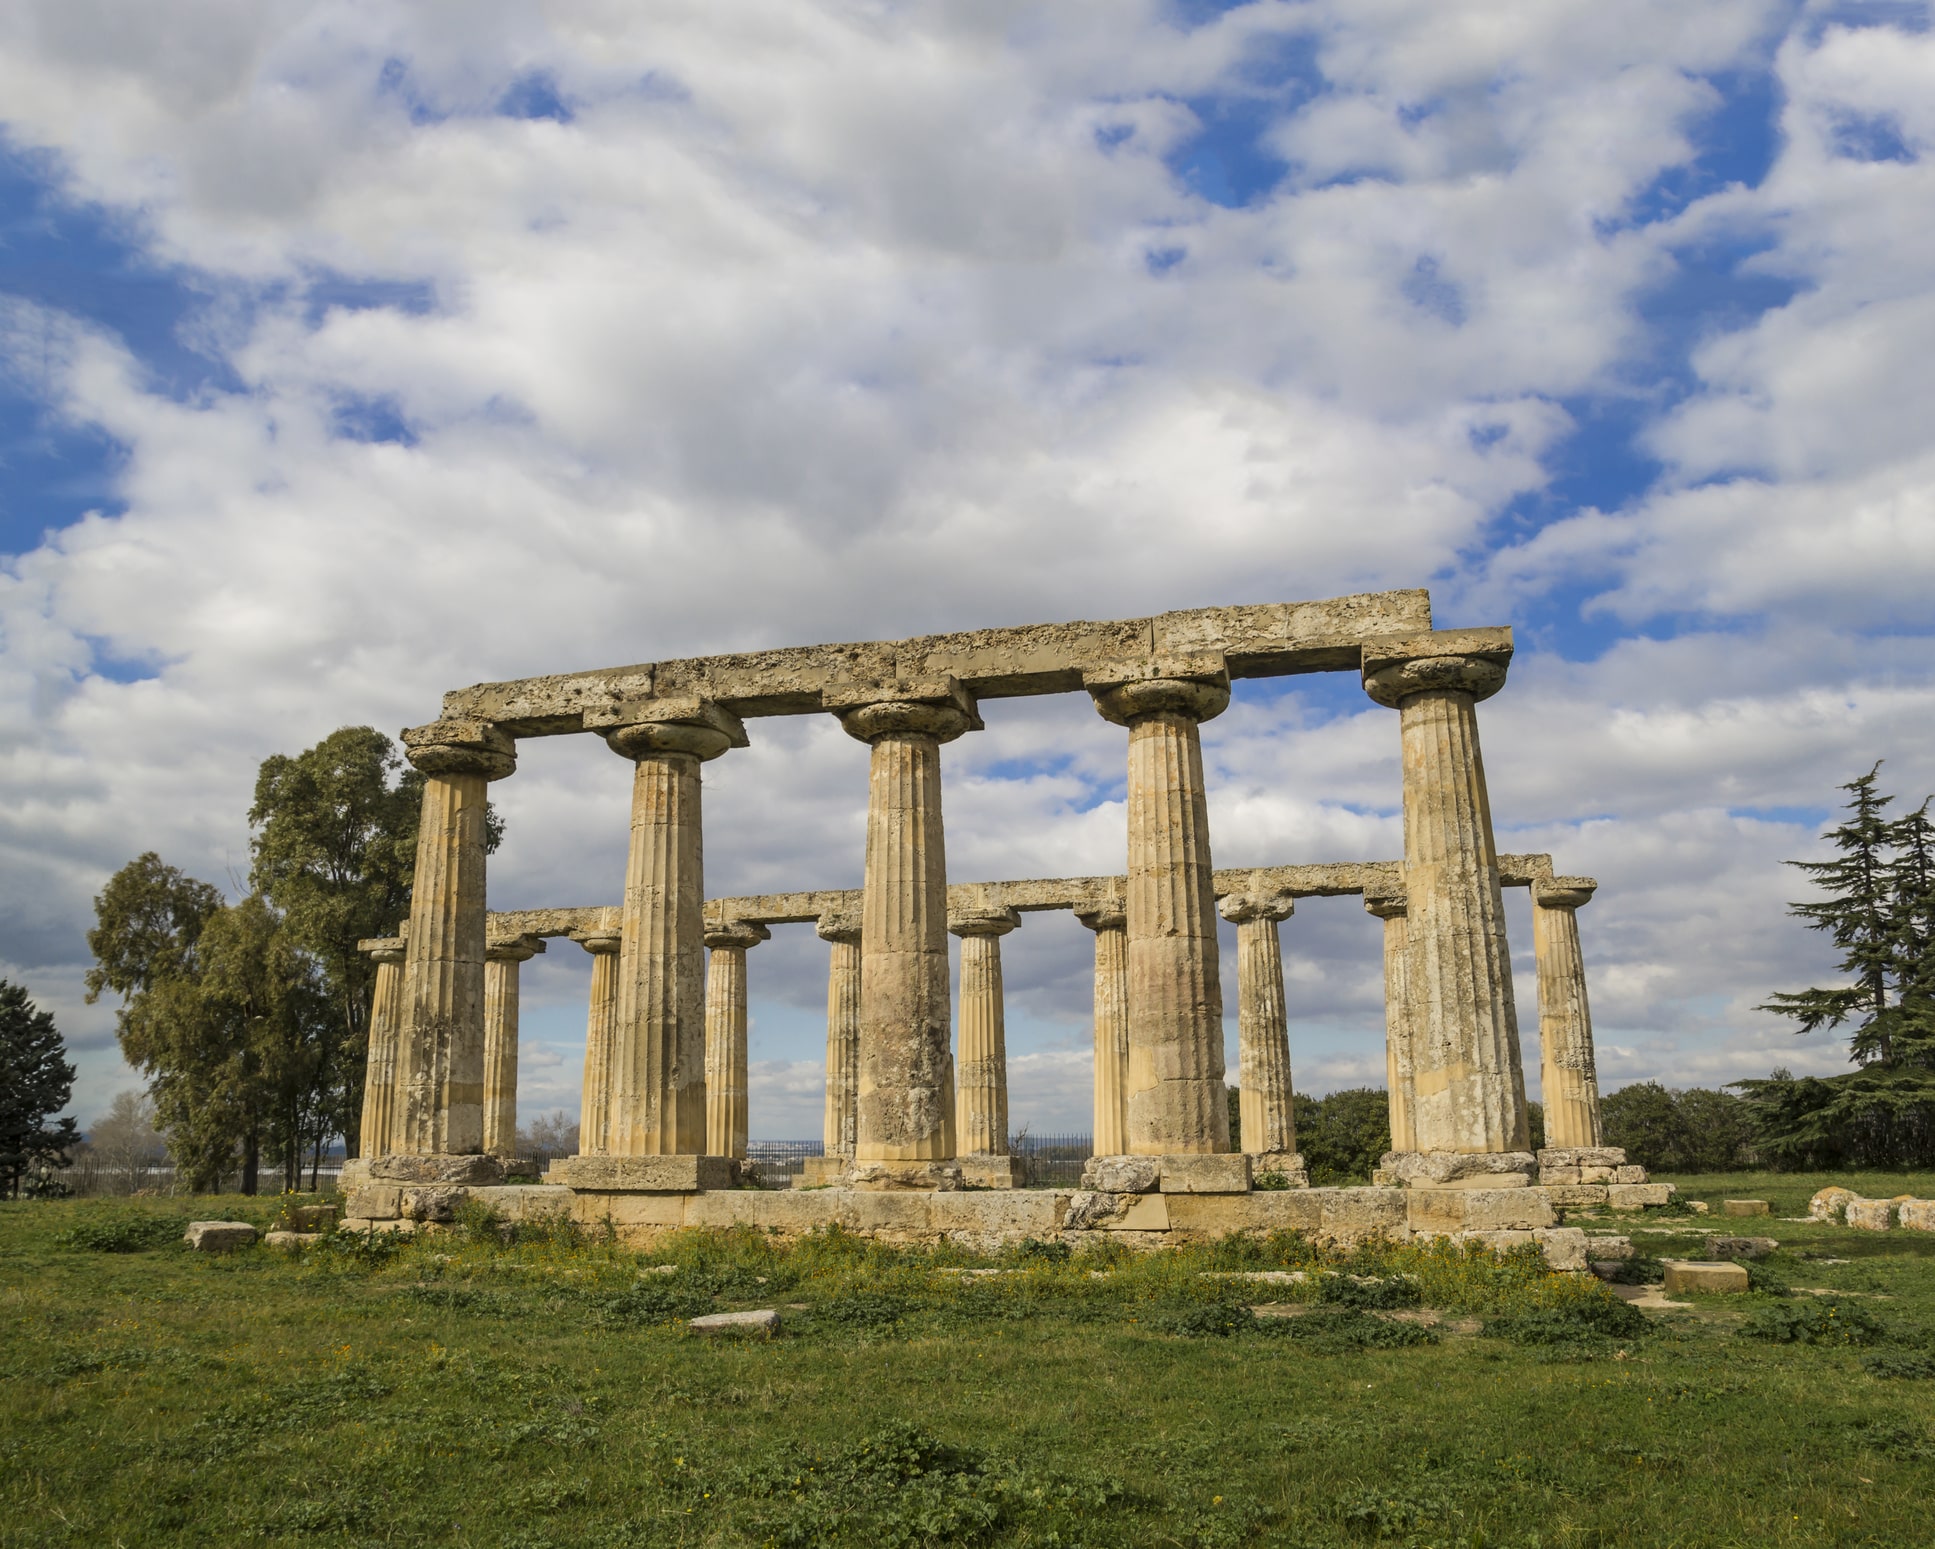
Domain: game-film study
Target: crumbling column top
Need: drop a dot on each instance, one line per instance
(1387, 906)
(1469, 661)
(512, 949)
(682, 723)
(384, 949)
(938, 707)
(1564, 892)
(984, 922)
(1195, 685)
(838, 925)
(736, 933)
(461, 747)
(1239, 908)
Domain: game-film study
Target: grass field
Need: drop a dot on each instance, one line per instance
(467, 1391)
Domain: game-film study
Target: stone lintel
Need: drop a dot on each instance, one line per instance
(1268, 640)
(434, 1170)
(643, 1174)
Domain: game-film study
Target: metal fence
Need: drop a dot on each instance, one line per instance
(1051, 1161)
(777, 1164)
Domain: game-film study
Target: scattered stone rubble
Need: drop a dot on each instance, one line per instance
(1848, 1208)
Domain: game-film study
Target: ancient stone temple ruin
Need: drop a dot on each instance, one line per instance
(916, 1120)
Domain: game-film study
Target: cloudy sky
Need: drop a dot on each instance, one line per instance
(350, 352)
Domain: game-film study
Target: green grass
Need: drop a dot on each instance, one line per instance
(462, 1390)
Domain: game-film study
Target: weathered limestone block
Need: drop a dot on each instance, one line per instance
(1608, 1249)
(1122, 1174)
(1225, 1174)
(218, 1236)
(1582, 1156)
(1560, 1176)
(374, 1202)
(993, 1172)
(1691, 1275)
(1598, 1174)
(1830, 1203)
(473, 1169)
(1869, 1215)
(1355, 1214)
(525, 1201)
(1918, 1215)
(1577, 1196)
(934, 1175)
(1000, 1215)
(312, 1218)
(643, 1174)
(1443, 1211)
(1745, 1207)
(1629, 1174)
(290, 1242)
(1564, 1247)
(1740, 1247)
(763, 1324)
(1287, 1165)
(431, 1202)
(1638, 1196)
(819, 1172)
(1470, 1169)
(1175, 1094)
(1091, 1210)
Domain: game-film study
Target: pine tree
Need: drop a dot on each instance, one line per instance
(35, 1083)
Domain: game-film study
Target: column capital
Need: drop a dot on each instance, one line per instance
(1196, 685)
(929, 707)
(736, 933)
(1113, 915)
(985, 922)
(1387, 906)
(834, 926)
(455, 747)
(384, 949)
(681, 723)
(599, 943)
(1468, 661)
(1563, 892)
(1240, 908)
(513, 949)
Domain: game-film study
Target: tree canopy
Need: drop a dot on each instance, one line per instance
(35, 1084)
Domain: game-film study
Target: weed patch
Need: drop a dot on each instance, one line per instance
(1346, 1330)
(1905, 1364)
(1814, 1323)
(122, 1233)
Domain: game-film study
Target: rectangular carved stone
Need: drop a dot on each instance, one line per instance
(763, 1324)
(1682, 1275)
(1227, 1173)
(218, 1236)
(642, 1174)
(1361, 1212)
(1578, 1196)
(525, 1201)
(1744, 1207)
(1917, 1214)
(1869, 1215)
(1451, 1210)
(375, 1202)
(1636, 1196)
(436, 1169)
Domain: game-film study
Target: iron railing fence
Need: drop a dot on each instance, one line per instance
(1051, 1161)
(777, 1164)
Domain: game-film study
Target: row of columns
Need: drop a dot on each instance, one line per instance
(1465, 1090)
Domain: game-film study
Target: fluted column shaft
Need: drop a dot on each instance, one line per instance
(501, 963)
(1398, 1074)
(1567, 1067)
(981, 1070)
(727, 1112)
(601, 1036)
(657, 1098)
(379, 1070)
(842, 1033)
(1262, 1023)
(440, 1051)
(1111, 1031)
(1467, 1079)
(1175, 1098)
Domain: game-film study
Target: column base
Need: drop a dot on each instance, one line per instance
(940, 1176)
(480, 1170)
(644, 1174)
(1455, 1170)
(1567, 1166)
(1266, 1166)
(993, 1172)
(1196, 1172)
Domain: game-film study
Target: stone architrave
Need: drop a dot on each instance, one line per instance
(1262, 1023)
(379, 1069)
(726, 1093)
(1389, 907)
(1570, 1077)
(1175, 1098)
(501, 963)
(1111, 927)
(657, 1097)
(1467, 1080)
(981, 1066)
(904, 1122)
(440, 1049)
(601, 1036)
(842, 933)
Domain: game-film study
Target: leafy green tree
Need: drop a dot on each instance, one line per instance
(1343, 1136)
(1643, 1121)
(148, 923)
(1690, 1131)
(35, 1083)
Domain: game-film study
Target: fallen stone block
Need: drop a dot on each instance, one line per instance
(1740, 1247)
(436, 1202)
(1638, 1196)
(1629, 1174)
(218, 1236)
(312, 1218)
(1228, 1173)
(1564, 1246)
(1606, 1246)
(763, 1324)
(1745, 1207)
(1577, 1196)
(1918, 1215)
(1691, 1275)
(1830, 1203)
(375, 1202)
(993, 1172)
(1871, 1215)
(1122, 1174)
(291, 1242)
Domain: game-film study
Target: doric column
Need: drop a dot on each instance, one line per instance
(1111, 927)
(1389, 907)
(501, 960)
(1571, 1080)
(904, 1129)
(1262, 1023)
(981, 1067)
(657, 1098)
(1175, 1098)
(601, 1037)
(842, 933)
(440, 1049)
(726, 1108)
(379, 1070)
(1468, 1083)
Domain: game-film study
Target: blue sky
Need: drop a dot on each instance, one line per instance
(349, 356)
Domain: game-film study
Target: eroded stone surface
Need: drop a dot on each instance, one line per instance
(1744, 1207)
(763, 1324)
(1868, 1215)
(1740, 1247)
(643, 1174)
(1691, 1275)
(472, 1169)
(1418, 1169)
(218, 1236)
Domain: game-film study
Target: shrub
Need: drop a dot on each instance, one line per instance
(1814, 1323)
(1581, 1329)
(650, 1303)
(863, 1312)
(1206, 1320)
(1899, 1363)
(1346, 1330)
(126, 1232)
(1389, 1291)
